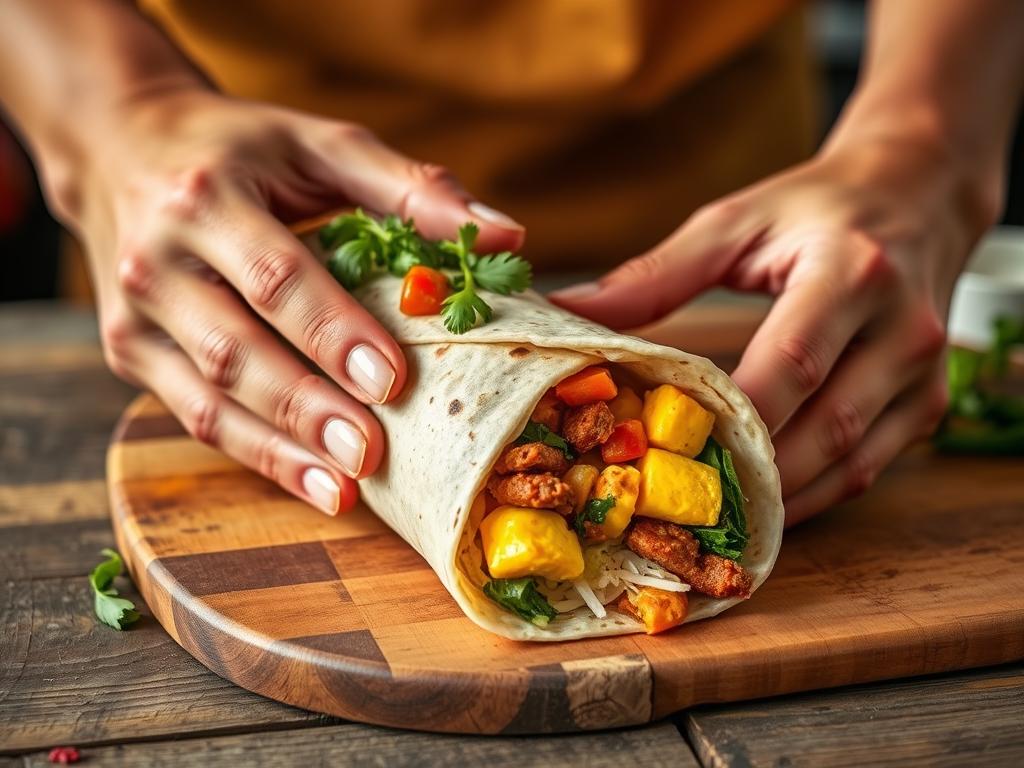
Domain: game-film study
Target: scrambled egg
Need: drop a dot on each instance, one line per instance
(624, 484)
(530, 542)
(678, 489)
(675, 421)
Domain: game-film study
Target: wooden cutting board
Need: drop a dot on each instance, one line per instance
(924, 574)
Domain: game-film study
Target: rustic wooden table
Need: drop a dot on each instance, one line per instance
(136, 698)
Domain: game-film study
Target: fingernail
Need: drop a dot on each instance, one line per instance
(322, 490)
(581, 291)
(371, 372)
(498, 218)
(346, 444)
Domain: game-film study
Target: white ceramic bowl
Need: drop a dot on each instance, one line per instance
(992, 285)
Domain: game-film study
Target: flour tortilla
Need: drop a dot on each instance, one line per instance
(468, 396)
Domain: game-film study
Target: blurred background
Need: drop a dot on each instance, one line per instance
(38, 261)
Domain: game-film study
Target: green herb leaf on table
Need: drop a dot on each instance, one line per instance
(535, 432)
(521, 596)
(114, 611)
(729, 537)
(594, 511)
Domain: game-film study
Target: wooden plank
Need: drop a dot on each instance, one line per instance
(56, 502)
(351, 744)
(56, 424)
(61, 549)
(66, 679)
(969, 718)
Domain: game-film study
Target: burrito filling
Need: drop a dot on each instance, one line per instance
(614, 499)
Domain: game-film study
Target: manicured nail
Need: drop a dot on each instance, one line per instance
(322, 490)
(346, 444)
(498, 218)
(371, 372)
(573, 292)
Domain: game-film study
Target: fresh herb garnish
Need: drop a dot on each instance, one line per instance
(522, 597)
(594, 511)
(112, 610)
(361, 245)
(730, 536)
(981, 419)
(535, 432)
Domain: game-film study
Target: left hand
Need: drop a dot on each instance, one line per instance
(861, 246)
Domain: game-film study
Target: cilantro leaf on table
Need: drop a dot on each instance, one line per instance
(535, 432)
(594, 511)
(730, 536)
(114, 611)
(522, 597)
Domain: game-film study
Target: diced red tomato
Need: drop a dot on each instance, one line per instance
(628, 441)
(423, 291)
(588, 386)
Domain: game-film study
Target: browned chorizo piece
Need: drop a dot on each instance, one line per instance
(588, 426)
(677, 550)
(543, 491)
(531, 457)
(549, 411)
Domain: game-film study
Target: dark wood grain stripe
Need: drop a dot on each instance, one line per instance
(148, 428)
(212, 572)
(546, 707)
(357, 644)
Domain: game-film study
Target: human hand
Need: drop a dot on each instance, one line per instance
(204, 295)
(861, 247)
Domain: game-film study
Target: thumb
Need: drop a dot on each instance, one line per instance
(648, 287)
(373, 175)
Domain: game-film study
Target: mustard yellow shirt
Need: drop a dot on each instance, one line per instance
(599, 124)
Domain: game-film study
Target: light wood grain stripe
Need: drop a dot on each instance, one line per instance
(46, 503)
(292, 610)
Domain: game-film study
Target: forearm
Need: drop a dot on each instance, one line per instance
(947, 76)
(66, 70)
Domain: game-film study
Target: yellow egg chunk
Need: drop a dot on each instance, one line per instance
(626, 405)
(624, 484)
(530, 542)
(678, 489)
(581, 478)
(675, 421)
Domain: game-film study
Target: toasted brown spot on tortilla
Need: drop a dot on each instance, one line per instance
(442, 351)
(472, 435)
(519, 352)
(454, 407)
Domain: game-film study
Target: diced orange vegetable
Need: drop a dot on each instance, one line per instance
(423, 291)
(660, 610)
(588, 386)
(628, 441)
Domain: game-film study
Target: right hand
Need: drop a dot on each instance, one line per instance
(204, 295)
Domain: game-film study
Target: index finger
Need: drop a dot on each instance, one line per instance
(285, 284)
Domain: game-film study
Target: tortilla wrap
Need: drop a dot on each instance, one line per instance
(468, 396)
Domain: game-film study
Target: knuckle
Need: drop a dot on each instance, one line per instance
(720, 213)
(345, 132)
(843, 431)
(803, 361)
(295, 402)
(322, 331)
(201, 417)
(135, 271)
(871, 266)
(266, 460)
(190, 192)
(860, 474)
(649, 266)
(928, 333)
(221, 357)
(429, 173)
(271, 274)
(117, 332)
(936, 405)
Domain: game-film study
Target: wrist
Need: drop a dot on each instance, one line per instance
(887, 136)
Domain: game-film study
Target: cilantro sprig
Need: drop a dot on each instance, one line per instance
(361, 245)
(594, 511)
(114, 611)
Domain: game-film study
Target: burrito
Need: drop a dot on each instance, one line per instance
(565, 481)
